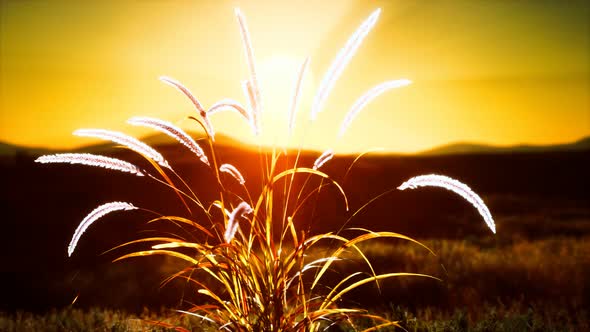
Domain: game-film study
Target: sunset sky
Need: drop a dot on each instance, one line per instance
(495, 72)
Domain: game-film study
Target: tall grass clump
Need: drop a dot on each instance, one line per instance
(250, 260)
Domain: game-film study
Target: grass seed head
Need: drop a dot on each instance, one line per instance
(323, 158)
(125, 140)
(232, 225)
(339, 64)
(253, 88)
(233, 171)
(96, 214)
(367, 98)
(264, 279)
(434, 180)
(172, 131)
(89, 159)
(200, 109)
(296, 94)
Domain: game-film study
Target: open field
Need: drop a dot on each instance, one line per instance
(537, 285)
(533, 275)
(497, 318)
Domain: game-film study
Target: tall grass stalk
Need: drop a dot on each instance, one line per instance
(251, 271)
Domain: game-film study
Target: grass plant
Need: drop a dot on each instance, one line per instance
(243, 251)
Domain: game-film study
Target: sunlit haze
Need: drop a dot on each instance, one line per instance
(495, 72)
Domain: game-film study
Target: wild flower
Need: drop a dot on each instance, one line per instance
(262, 277)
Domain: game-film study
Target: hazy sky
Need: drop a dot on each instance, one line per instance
(498, 72)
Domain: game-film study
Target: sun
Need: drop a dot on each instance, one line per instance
(277, 75)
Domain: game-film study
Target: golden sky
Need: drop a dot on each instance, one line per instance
(497, 72)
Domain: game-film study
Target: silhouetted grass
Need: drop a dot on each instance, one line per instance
(488, 285)
(516, 317)
(480, 272)
(95, 319)
(246, 257)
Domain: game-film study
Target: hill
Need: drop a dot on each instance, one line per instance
(471, 148)
(9, 151)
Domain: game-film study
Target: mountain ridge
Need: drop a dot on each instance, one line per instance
(476, 148)
(457, 148)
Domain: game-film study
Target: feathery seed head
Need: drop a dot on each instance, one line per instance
(251, 100)
(172, 131)
(96, 214)
(253, 88)
(434, 180)
(367, 98)
(200, 109)
(232, 105)
(323, 158)
(233, 171)
(232, 225)
(339, 64)
(125, 140)
(90, 160)
(296, 93)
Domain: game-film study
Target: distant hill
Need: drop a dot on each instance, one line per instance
(10, 151)
(471, 148)
(155, 140)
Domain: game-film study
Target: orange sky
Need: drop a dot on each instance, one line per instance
(497, 72)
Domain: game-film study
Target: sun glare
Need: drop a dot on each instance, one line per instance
(65, 77)
(278, 78)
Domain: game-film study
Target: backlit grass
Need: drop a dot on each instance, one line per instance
(248, 263)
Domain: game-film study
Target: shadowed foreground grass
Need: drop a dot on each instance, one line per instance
(95, 319)
(495, 318)
(488, 285)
